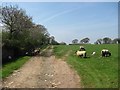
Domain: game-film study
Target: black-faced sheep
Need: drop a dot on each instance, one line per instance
(81, 53)
(82, 48)
(105, 53)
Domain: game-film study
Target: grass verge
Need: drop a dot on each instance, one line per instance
(8, 68)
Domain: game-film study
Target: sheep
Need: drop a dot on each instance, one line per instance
(82, 48)
(26, 53)
(9, 57)
(81, 53)
(93, 53)
(105, 53)
(36, 52)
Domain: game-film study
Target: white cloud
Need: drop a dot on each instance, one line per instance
(58, 14)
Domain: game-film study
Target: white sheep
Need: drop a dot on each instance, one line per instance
(9, 57)
(81, 53)
(93, 53)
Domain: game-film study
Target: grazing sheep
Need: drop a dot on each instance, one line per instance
(26, 53)
(81, 53)
(82, 48)
(93, 53)
(105, 53)
(36, 52)
(9, 57)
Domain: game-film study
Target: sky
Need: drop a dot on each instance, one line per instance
(74, 20)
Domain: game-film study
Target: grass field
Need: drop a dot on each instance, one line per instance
(8, 68)
(96, 71)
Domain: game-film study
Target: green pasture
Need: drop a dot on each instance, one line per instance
(95, 71)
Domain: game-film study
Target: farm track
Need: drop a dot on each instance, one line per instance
(43, 72)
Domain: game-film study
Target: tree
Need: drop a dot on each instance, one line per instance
(15, 20)
(20, 33)
(38, 36)
(0, 39)
(16, 27)
(107, 40)
(99, 41)
(75, 41)
(21, 28)
(55, 42)
(116, 41)
(63, 43)
(85, 40)
(96, 42)
(52, 41)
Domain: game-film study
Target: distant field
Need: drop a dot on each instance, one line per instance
(96, 71)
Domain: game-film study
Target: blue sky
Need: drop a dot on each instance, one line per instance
(75, 20)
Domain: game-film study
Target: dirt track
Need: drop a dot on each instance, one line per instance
(43, 72)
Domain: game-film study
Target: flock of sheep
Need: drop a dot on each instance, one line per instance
(82, 52)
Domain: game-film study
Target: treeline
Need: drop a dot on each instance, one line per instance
(20, 34)
(105, 40)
